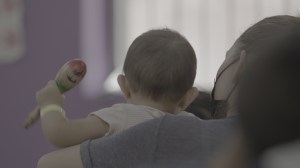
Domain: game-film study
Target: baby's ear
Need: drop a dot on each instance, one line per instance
(188, 98)
(124, 86)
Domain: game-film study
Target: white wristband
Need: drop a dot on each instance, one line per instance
(51, 108)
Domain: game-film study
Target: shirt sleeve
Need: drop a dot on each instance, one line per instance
(184, 113)
(168, 141)
(114, 116)
(130, 148)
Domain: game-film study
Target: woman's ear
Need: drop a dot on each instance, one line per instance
(124, 86)
(188, 98)
(240, 66)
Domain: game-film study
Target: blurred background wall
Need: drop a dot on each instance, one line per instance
(99, 32)
(51, 30)
(211, 26)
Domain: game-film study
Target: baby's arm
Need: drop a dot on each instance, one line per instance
(57, 128)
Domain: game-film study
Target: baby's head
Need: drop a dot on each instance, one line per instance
(160, 65)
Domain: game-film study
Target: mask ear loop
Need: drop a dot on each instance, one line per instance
(217, 78)
(236, 81)
(213, 105)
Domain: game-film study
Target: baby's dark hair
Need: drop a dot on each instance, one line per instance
(160, 64)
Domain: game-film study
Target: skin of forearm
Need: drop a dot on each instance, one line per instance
(63, 132)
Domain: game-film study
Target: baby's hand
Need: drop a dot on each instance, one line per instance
(50, 94)
(47, 95)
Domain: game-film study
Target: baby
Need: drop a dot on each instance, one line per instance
(159, 72)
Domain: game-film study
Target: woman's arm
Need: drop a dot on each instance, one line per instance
(63, 158)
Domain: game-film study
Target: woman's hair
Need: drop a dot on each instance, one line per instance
(161, 64)
(266, 29)
(269, 93)
(263, 31)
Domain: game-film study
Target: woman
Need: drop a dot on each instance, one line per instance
(170, 141)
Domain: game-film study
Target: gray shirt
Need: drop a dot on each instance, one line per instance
(168, 141)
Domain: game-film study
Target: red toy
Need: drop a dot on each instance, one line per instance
(69, 75)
